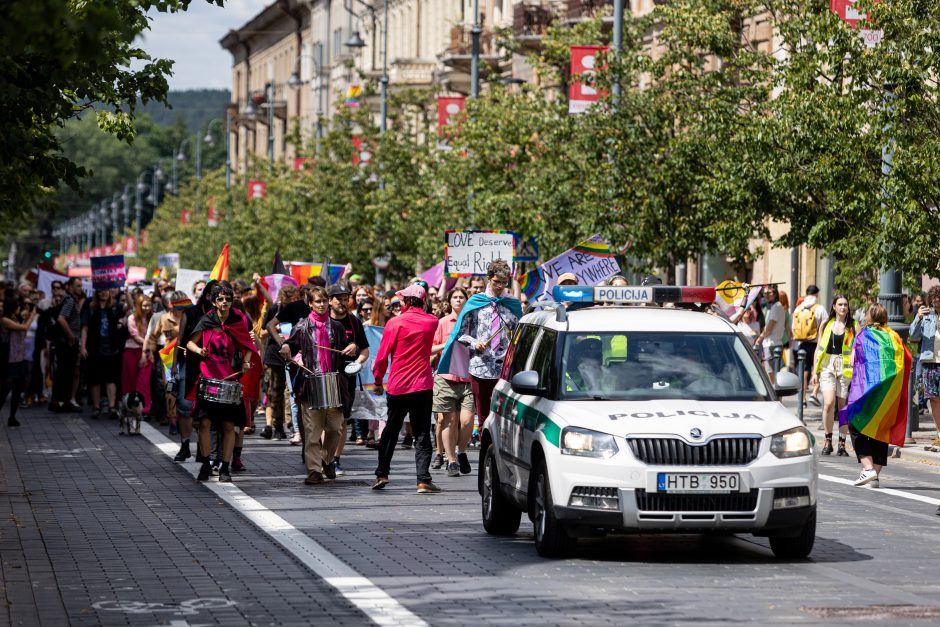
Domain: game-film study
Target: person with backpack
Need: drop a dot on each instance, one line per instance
(808, 319)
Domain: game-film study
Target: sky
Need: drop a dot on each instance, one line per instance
(191, 39)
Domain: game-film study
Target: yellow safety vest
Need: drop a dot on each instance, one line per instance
(848, 339)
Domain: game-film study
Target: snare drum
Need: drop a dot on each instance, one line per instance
(219, 391)
(321, 391)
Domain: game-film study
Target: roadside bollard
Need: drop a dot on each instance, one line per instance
(800, 368)
(777, 359)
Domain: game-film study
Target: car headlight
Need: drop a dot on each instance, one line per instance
(587, 443)
(792, 443)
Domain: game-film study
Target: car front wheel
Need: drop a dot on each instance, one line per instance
(551, 539)
(796, 546)
(500, 518)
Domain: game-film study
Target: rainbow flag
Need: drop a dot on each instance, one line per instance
(532, 283)
(220, 271)
(878, 401)
(301, 271)
(353, 93)
(595, 247)
(166, 354)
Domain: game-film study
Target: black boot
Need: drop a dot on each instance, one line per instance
(842, 452)
(827, 447)
(184, 453)
(204, 472)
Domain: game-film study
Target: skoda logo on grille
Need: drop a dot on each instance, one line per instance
(696, 433)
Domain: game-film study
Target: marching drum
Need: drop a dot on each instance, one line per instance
(352, 368)
(219, 391)
(321, 391)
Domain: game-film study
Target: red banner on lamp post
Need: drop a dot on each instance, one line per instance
(185, 216)
(212, 213)
(257, 190)
(449, 111)
(361, 153)
(303, 164)
(583, 91)
(854, 17)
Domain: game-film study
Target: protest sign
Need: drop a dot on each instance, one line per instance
(108, 272)
(467, 253)
(136, 274)
(169, 260)
(186, 278)
(591, 262)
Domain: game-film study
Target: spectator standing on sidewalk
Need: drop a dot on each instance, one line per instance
(315, 338)
(14, 323)
(832, 368)
(771, 337)
(926, 329)
(808, 320)
(64, 384)
(102, 342)
(407, 340)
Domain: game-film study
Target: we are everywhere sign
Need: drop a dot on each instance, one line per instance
(591, 262)
(108, 272)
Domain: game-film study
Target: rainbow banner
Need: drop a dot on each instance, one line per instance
(878, 402)
(301, 271)
(532, 283)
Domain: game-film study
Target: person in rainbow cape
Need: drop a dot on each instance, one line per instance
(876, 410)
(484, 327)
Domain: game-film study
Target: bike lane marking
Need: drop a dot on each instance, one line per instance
(374, 602)
(891, 491)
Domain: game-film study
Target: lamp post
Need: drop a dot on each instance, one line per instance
(474, 49)
(618, 44)
(210, 140)
(269, 92)
(295, 82)
(126, 197)
(356, 42)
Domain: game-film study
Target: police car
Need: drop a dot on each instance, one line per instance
(620, 414)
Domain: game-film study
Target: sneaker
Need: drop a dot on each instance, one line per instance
(407, 441)
(464, 463)
(313, 478)
(225, 477)
(238, 465)
(279, 434)
(438, 462)
(427, 488)
(329, 470)
(73, 407)
(380, 482)
(815, 400)
(184, 454)
(204, 472)
(296, 440)
(866, 477)
(267, 432)
(337, 468)
(475, 439)
(453, 470)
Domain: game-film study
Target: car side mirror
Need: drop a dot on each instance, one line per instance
(527, 382)
(786, 383)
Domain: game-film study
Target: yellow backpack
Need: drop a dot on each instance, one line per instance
(805, 328)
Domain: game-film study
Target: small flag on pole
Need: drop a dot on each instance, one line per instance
(220, 271)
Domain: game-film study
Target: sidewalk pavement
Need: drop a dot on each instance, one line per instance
(916, 450)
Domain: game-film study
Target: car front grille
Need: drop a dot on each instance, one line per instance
(660, 502)
(675, 452)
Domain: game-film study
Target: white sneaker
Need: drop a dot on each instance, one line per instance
(866, 477)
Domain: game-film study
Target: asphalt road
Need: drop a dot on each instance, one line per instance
(102, 529)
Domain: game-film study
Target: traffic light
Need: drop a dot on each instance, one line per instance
(47, 254)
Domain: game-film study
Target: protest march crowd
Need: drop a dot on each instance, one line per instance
(326, 364)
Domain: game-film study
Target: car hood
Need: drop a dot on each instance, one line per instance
(677, 417)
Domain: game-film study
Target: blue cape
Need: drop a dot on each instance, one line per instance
(477, 301)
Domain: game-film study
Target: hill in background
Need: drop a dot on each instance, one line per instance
(194, 107)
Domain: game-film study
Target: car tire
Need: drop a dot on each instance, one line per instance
(551, 539)
(500, 518)
(796, 546)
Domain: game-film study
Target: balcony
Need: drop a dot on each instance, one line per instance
(412, 72)
(530, 24)
(455, 74)
(583, 9)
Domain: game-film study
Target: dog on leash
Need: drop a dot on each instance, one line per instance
(131, 409)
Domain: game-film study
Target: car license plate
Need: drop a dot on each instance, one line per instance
(691, 483)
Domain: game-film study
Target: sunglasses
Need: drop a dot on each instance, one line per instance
(366, 310)
(224, 299)
(396, 305)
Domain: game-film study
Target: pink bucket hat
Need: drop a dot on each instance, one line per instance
(412, 290)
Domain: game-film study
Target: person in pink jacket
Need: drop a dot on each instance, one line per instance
(407, 340)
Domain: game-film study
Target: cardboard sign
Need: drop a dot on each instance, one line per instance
(108, 272)
(591, 262)
(186, 278)
(467, 253)
(169, 260)
(136, 274)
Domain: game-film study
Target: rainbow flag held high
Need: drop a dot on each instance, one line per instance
(301, 271)
(596, 247)
(877, 404)
(220, 271)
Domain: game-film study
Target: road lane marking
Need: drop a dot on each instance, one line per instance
(891, 491)
(358, 590)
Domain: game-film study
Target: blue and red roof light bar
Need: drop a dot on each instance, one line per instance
(659, 294)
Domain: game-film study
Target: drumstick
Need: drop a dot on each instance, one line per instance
(329, 349)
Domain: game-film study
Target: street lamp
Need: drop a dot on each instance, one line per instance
(356, 42)
(210, 140)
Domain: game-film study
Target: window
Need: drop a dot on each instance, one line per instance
(338, 41)
(644, 366)
(544, 358)
(519, 350)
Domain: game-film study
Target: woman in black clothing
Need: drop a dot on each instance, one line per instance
(102, 348)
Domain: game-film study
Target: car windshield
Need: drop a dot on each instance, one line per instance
(645, 366)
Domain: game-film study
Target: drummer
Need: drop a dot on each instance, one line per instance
(319, 340)
(221, 339)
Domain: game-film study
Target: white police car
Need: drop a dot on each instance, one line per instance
(643, 418)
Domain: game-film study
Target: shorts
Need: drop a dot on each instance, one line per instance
(830, 376)
(867, 447)
(809, 347)
(450, 396)
(930, 379)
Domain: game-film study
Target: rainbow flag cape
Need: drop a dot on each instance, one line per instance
(878, 401)
(166, 354)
